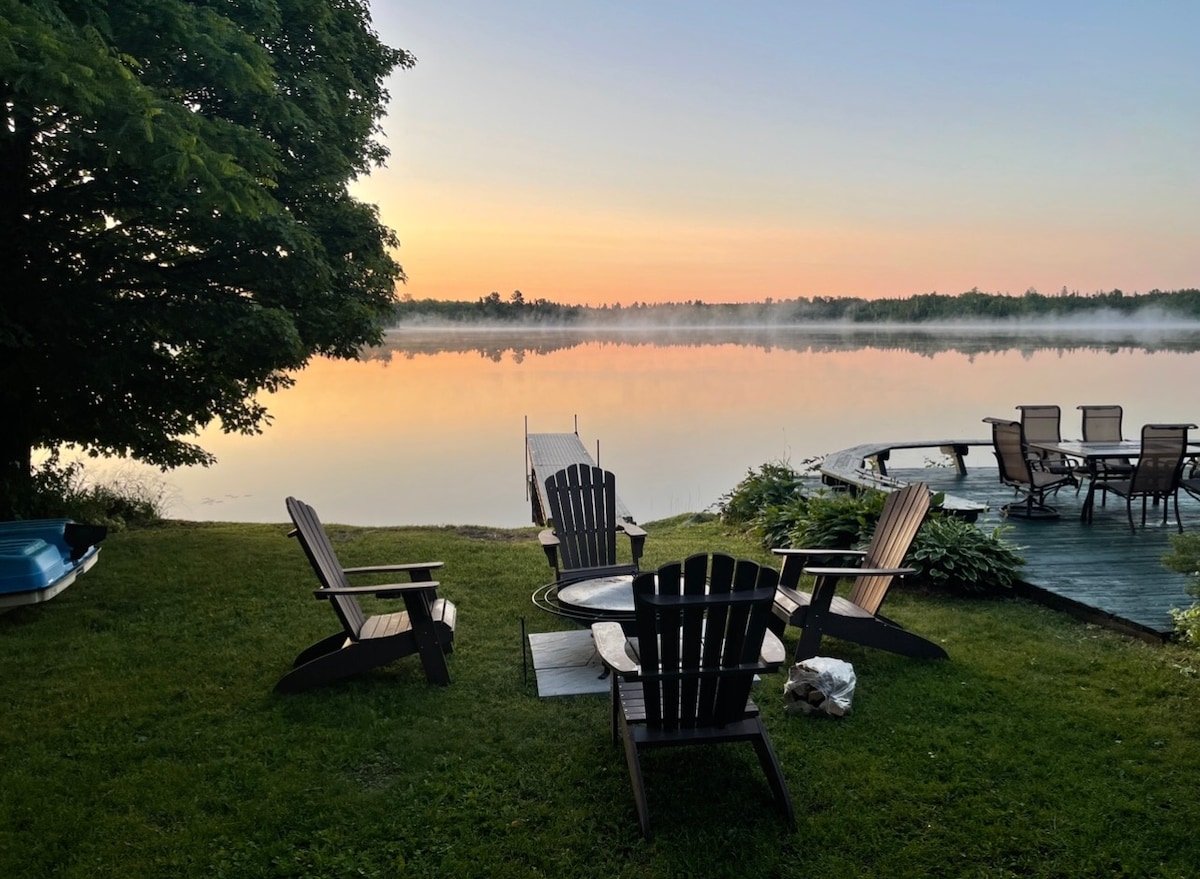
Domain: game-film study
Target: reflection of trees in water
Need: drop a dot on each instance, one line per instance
(496, 344)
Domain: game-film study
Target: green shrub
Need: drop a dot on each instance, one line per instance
(1184, 557)
(949, 552)
(775, 484)
(838, 519)
(774, 526)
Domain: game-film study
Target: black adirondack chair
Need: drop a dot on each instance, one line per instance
(425, 627)
(701, 637)
(582, 543)
(856, 617)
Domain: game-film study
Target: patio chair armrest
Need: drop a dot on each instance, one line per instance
(612, 646)
(383, 590)
(413, 569)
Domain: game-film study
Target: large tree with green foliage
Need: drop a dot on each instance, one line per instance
(176, 231)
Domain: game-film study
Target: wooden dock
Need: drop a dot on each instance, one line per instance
(1102, 572)
(865, 466)
(547, 453)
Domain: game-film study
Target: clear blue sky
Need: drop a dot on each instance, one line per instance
(664, 150)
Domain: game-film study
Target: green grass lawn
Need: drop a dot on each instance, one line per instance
(141, 737)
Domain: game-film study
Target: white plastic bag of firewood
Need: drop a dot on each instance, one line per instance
(819, 685)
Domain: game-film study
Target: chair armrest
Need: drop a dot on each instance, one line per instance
(794, 561)
(383, 590)
(857, 553)
(576, 575)
(611, 644)
(549, 541)
(858, 572)
(772, 652)
(637, 539)
(393, 569)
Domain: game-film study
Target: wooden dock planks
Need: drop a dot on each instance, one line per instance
(1103, 571)
(548, 453)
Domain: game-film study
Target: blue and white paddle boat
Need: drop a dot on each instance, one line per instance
(39, 558)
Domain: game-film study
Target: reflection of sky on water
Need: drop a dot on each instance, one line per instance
(423, 433)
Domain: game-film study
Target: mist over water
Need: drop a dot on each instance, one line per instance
(1148, 331)
(429, 428)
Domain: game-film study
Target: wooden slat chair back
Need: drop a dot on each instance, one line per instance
(582, 542)
(701, 636)
(320, 554)
(901, 518)
(583, 511)
(689, 677)
(425, 627)
(855, 617)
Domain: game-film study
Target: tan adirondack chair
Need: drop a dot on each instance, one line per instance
(425, 627)
(856, 617)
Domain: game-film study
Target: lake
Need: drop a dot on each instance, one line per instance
(429, 428)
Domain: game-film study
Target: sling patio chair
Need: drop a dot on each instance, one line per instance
(1157, 476)
(1102, 424)
(1043, 424)
(1024, 473)
(684, 675)
(425, 627)
(856, 617)
(1191, 483)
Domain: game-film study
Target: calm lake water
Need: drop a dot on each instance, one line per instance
(430, 428)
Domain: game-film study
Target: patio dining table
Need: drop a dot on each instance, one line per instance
(1092, 454)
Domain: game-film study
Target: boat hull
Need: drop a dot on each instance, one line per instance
(39, 558)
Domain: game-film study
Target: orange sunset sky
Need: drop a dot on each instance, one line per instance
(601, 152)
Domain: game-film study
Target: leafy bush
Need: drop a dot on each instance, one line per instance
(838, 519)
(949, 552)
(1184, 557)
(775, 525)
(775, 484)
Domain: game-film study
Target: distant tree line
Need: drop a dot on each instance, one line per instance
(921, 308)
